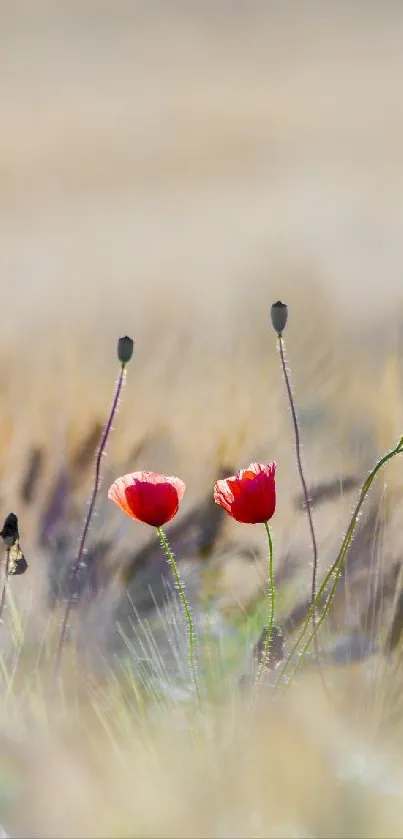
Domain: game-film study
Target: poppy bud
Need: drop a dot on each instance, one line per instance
(125, 349)
(279, 315)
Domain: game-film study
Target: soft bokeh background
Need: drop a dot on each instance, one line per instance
(168, 170)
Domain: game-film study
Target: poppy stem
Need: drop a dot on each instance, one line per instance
(4, 591)
(91, 507)
(336, 569)
(272, 601)
(312, 611)
(300, 467)
(181, 589)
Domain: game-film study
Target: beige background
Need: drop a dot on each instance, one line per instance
(167, 170)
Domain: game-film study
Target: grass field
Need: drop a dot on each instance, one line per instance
(168, 171)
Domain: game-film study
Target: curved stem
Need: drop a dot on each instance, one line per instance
(272, 600)
(88, 518)
(307, 507)
(181, 589)
(337, 567)
(300, 469)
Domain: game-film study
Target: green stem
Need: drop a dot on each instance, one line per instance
(271, 591)
(336, 569)
(181, 589)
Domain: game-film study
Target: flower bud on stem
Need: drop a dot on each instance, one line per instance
(125, 351)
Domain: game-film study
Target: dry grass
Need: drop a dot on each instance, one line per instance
(292, 768)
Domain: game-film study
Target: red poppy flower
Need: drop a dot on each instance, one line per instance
(250, 496)
(147, 496)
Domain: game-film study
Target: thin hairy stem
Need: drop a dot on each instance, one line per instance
(88, 518)
(307, 505)
(4, 592)
(300, 468)
(337, 567)
(181, 589)
(272, 601)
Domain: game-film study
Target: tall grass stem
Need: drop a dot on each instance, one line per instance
(336, 569)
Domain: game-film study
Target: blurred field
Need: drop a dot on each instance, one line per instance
(168, 170)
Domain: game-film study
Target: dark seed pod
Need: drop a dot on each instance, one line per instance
(279, 315)
(17, 564)
(10, 534)
(125, 349)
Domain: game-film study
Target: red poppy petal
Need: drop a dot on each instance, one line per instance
(153, 503)
(117, 493)
(258, 499)
(148, 496)
(254, 497)
(245, 475)
(270, 469)
(222, 486)
(252, 470)
(250, 497)
(148, 477)
(234, 487)
(179, 485)
(223, 495)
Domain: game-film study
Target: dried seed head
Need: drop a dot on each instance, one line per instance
(10, 534)
(125, 349)
(279, 315)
